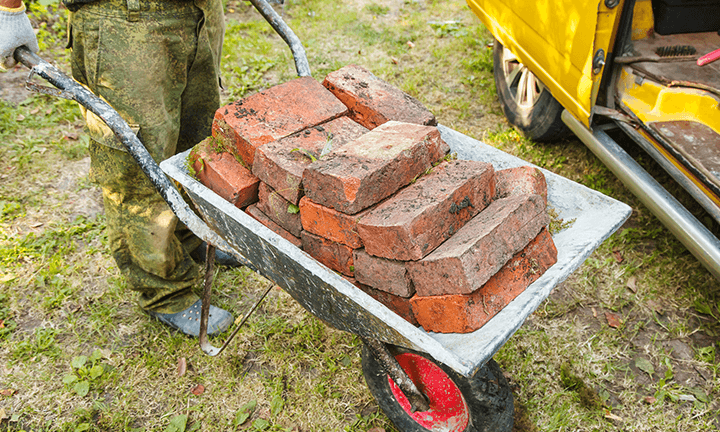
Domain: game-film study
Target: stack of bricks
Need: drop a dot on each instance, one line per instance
(355, 173)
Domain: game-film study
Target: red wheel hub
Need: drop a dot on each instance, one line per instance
(448, 410)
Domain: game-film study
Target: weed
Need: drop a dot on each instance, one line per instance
(588, 398)
(7, 323)
(42, 343)
(85, 371)
(557, 223)
(377, 9)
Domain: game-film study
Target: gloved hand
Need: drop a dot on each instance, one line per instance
(15, 31)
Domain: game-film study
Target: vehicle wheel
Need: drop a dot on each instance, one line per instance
(482, 403)
(527, 103)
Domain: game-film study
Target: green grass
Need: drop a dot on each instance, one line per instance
(62, 299)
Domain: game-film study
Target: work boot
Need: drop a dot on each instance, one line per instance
(188, 321)
(221, 258)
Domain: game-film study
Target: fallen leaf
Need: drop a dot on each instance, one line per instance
(594, 312)
(35, 111)
(198, 390)
(394, 60)
(687, 398)
(20, 117)
(632, 283)
(618, 256)
(7, 392)
(411, 46)
(654, 306)
(611, 416)
(72, 136)
(376, 429)
(613, 319)
(36, 225)
(2, 324)
(700, 395)
(649, 399)
(644, 365)
(182, 366)
(3, 414)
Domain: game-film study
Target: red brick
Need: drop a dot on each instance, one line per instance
(400, 305)
(223, 174)
(330, 223)
(374, 166)
(279, 210)
(280, 164)
(261, 217)
(413, 222)
(519, 181)
(275, 113)
(464, 313)
(383, 274)
(480, 248)
(372, 101)
(334, 255)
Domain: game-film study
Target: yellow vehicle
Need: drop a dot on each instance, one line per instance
(590, 65)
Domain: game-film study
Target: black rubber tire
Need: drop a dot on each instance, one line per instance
(487, 395)
(539, 118)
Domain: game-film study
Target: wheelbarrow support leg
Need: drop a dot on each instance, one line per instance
(205, 344)
(382, 354)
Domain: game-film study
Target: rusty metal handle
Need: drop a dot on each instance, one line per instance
(276, 22)
(71, 89)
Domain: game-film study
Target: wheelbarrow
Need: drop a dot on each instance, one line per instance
(423, 381)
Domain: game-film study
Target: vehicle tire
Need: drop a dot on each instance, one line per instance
(482, 403)
(526, 102)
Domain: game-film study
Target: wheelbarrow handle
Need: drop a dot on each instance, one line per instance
(71, 89)
(281, 28)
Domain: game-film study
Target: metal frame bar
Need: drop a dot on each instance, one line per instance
(681, 223)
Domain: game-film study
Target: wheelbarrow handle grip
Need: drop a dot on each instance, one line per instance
(73, 90)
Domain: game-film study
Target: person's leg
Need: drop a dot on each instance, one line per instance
(139, 60)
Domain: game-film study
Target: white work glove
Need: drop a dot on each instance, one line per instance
(15, 31)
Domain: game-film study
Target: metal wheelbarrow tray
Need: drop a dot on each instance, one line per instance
(336, 301)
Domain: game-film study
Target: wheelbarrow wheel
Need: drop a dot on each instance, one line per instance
(482, 403)
(526, 102)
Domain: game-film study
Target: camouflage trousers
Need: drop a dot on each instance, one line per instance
(157, 63)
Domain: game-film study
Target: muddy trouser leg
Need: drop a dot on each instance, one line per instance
(154, 62)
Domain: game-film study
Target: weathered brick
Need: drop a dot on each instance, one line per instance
(383, 274)
(261, 217)
(275, 113)
(372, 101)
(519, 181)
(223, 174)
(281, 163)
(413, 222)
(480, 248)
(374, 166)
(334, 255)
(330, 223)
(464, 313)
(280, 210)
(400, 305)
